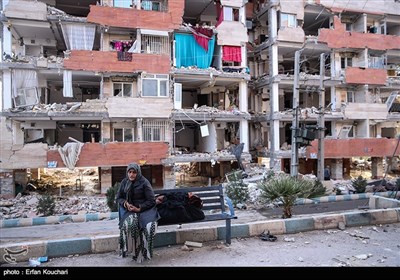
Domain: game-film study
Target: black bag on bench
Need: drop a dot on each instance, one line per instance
(179, 207)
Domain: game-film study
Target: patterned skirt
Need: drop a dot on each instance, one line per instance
(135, 240)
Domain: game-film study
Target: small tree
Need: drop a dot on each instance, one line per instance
(46, 205)
(111, 195)
(236, 189)
(287, 190)
(359, 184)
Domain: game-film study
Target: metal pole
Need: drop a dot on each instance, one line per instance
(321, 120)
(295, 121)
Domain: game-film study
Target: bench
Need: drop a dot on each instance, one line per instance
(214, 203)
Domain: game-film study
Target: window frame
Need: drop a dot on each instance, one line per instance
(124, 130)
(122, 89)
(160, 79)
(290, 23)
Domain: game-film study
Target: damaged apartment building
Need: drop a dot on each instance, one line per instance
(170, 82)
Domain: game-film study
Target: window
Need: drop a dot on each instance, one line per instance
(123, 134)
(154, 131)
(377, 62)
(350, 97)
(288, 20)
(155, 85)
(231, 14)
(151, 5)
(123, 3)
(122, 89)
(346, 62)
(155, 44)
(26, 97)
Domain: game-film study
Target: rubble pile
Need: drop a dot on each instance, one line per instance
(25, 206)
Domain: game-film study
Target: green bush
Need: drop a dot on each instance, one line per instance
(111, 195)
(46, 205)
(236, 189)
(359, 184)
(286, 190)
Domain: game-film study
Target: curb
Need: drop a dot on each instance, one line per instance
(345, 197)
(22, 222)
(108, 243)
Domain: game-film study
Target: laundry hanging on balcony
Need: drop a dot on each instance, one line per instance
(231, 53)
(190, 53)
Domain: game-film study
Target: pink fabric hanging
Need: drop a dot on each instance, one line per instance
(202, 40)
(231, 53)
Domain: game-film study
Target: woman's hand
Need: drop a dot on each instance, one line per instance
(132, 208)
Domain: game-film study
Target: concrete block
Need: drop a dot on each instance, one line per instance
(378, 202)
(9, 223)
(52, 220)
(22, 251)
(26, 222)
(105, 243)
(197, 235)
(39, 221)
(79, 218)
(357, 218)
(92, 217)
(381, 216)
(294, 225)
(65, 219)
(328, 221)
(274, 227)
(165, 238)
(65, 247)
(238, 230)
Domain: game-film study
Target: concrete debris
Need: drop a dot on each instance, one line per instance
(194, 244)
(354, 234)
(341, 226)
(341, 263)
(186, 248)
(26, 206)
(362, 256)
(375, 229)
(287, 239)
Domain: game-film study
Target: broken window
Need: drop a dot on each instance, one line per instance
(346, 131)
(26, 97)
(122, 89)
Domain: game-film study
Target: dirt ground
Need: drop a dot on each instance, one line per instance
(368, 246)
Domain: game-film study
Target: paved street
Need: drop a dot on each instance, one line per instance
(367, 246)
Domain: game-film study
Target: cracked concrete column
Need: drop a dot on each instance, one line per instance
(243, 107)
(337, 169)
(377, 168)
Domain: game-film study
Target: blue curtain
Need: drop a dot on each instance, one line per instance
(190, 53)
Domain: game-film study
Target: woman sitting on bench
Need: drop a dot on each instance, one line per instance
(138, 214)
